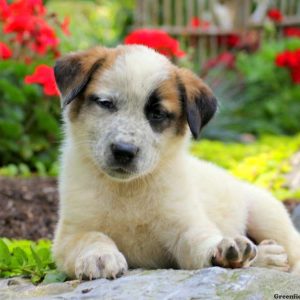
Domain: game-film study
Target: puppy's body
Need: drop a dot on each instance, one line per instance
(167, 209)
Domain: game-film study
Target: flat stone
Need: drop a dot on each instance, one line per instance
(296, 217)
(210, 283)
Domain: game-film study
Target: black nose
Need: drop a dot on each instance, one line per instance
(123, 152)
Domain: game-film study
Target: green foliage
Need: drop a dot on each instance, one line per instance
(258, 97)
(23, 170)
(264, 162)
(102, 22)
(273, 97)
(29, 259)
(29, 127)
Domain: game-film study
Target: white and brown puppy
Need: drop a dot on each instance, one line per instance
(130, 193)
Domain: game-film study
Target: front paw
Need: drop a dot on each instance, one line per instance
(95, 264)
(234, 253)
(271, 255)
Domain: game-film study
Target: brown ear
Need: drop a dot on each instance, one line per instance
(198, 100)
(74, 71)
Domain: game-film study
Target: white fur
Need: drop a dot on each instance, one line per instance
(174, 214)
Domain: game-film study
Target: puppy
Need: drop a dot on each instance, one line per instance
(130, 193)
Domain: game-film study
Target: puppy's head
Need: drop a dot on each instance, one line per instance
(128, 109)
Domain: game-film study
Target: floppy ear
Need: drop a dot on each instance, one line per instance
(198, 100)
(74, 71)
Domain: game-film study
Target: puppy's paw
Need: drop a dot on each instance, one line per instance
(94, 264)
(271, 255)
(234, 253)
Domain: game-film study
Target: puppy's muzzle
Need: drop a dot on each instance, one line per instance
(124, 153)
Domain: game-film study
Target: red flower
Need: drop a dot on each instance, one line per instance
(65, 26)
(291, 61)
(5, 52)
(27, 22)
(45, 37)
(292, 32)
(275, 15)
(28, 7)
(44, 75)
(281, 60)
(230, 40)
(198, 23)
(4, 10)
(156, 39)
(20, 24)
(225, 59)
(32, 31)
(295, 74)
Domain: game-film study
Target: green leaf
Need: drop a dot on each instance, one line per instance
(5, 257)
(12, 93)
(45, 256)
(39, 264)
(55, 276)
(24, 170)
(36, 278)
(20, 256)
(41, 169)
(10, 129)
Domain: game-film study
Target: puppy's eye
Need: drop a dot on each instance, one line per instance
(104, 102)
(157, 114)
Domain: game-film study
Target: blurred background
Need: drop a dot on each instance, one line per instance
(248, 51)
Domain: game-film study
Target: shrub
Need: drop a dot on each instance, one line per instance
(261, 95)
(264, 162)
(29, 259)
(29, 127)
(272, 94)
(29, 131)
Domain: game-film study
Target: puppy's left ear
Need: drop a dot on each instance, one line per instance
(198, 100)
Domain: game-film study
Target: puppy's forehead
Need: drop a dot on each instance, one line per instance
(135, 73)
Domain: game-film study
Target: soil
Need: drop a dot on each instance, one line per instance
(28, 207)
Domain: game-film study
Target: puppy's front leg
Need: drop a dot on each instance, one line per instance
(88, 255)
(200, 244)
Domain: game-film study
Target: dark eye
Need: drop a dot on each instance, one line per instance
(104, 102)
(157, 114)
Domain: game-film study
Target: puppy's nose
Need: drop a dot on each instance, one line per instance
(124, 152)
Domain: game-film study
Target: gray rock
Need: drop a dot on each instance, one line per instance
(211, 283)
(296, 217)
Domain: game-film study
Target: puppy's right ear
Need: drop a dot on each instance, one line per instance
(74, 71)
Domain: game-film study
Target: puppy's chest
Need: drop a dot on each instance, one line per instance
(132, 226)
(125, 220)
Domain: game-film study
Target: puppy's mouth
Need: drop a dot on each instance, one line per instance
(121, 170)
(120, 173)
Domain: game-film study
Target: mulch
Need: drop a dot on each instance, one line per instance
(28, 207)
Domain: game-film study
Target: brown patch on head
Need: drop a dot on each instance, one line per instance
(74, 72)
(188, 99)
(171, 100)
(198, 100)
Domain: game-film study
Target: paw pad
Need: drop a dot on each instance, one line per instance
(234, 253)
